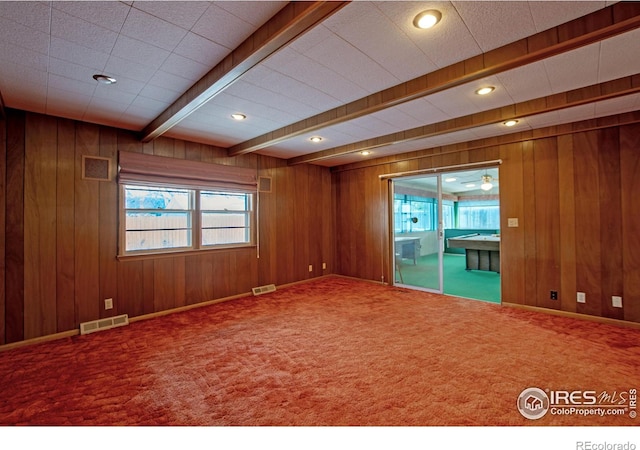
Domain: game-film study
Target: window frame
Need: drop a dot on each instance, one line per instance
(195, 211)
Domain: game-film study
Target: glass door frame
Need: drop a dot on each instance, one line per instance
(439, 233)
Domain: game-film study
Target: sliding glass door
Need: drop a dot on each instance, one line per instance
(417, 232)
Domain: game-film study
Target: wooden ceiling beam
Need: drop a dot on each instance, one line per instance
(594, 27)
(589, 94)
(290, 22)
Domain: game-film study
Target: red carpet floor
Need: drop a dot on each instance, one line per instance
(332, 351)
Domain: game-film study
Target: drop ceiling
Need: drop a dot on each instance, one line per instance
(336, 70)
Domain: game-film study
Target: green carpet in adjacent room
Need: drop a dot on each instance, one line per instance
(474, 284)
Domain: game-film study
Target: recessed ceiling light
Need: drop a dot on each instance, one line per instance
(510, 123)
(104, 79)
(315, 138)
(485, 90)
(238, 116)
(365, 152)
(427, 19)
(450, 179)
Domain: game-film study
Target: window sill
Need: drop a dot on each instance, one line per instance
(176, 253)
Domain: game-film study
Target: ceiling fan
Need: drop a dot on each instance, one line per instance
(487, 182)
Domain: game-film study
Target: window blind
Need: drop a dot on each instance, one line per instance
(140, 168)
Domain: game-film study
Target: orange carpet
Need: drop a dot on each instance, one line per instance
(333, 351)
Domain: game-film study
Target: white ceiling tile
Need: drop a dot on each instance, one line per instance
(24, 37)
(61, 83)
(71, 70)
(113, 93)
(119, 68)
(253, 12)
(139, 52)
(28, 98)
(83, 33)
(496, 23)
(147, 28)
(388, 46)
(222, 27)
(69, 51)
(576, 69)
(181, 13)
(158, 93)
(200, 49)
(617, 105)
(447, 43)
(350, 63)
(11, 54)
(184, 67)
(526, 83)
(170, 82)
(35, 15)
(106, 14)
(619, 56)
(548, 14)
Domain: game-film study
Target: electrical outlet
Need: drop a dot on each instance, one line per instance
(310, 268)
(108, 303)
(581, 297)
(553, 295)
(616, 301)
(324, 266)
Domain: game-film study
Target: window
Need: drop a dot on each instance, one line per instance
(413, 213)
(479, 214)
(170, 205)
(160, 218)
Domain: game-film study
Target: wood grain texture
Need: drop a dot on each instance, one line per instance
(3, 209)
(108, 223)
(588, 230)
(567, 221)
(40, 227)
(14, 228)
(547, 213)
(610, 197)
(630, 205)
(529, 224)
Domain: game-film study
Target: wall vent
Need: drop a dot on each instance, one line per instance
(104, 324)
(263, 289)
(264, 184)
(96, 168)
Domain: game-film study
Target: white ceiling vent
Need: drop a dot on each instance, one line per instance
(104, 324)
(264, 289)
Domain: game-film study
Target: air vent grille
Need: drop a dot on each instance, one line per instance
(263, 289)
(104, 324)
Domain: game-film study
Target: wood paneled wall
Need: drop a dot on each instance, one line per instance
(58, 248)
(577, 198)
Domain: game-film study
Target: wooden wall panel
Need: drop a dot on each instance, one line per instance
(547, 214)
(14, 228)
(529, 224)
(610, 220)
(3, 208)
(567, 220)
(86, 228)
(588, 232)
(108, 223)
(40, 227)
(65, 240)
(630, 207)
(512, 238)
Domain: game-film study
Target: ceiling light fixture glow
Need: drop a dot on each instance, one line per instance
(485, 90)
(427, 19)
(365, 152)
(315, 139)
(238, 116)
(510, 123)
(470, 185)
(104, 79)
(450, 179)
(486, 183)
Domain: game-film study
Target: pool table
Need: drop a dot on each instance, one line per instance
(482, 251)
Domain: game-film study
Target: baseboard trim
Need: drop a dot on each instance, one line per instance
(573, 315)
(70, 333)
(39, 340)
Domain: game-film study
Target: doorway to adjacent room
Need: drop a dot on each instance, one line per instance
(446, 230)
